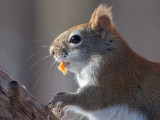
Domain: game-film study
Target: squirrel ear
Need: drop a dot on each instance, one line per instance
(101, 19)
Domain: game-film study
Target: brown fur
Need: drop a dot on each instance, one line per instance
(123, 76)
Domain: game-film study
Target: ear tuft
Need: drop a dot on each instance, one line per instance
(102, 10)
(101, 19)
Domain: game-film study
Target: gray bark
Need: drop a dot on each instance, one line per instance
(16, 103)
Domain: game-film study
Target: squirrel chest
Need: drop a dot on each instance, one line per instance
(111, 113)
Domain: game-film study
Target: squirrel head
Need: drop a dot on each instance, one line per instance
(77, 45)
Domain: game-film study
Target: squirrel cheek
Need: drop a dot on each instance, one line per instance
(51, 50)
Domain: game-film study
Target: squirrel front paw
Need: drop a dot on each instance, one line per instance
(58, 97)
(58, 111)
(58, 102)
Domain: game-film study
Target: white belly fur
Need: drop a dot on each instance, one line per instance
(111, 113)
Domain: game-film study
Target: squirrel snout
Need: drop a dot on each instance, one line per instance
(51, 50)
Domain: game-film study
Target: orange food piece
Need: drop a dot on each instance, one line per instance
(62, 68)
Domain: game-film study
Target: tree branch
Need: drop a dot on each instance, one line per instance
(16, 103)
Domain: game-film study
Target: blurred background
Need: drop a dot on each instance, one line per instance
(28, 27)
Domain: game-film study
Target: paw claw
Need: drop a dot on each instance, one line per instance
(58, 97)
(59, 111)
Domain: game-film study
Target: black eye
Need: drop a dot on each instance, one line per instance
(75, 39)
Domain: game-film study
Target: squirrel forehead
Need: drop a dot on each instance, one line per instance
(79, 28)
(101, 20)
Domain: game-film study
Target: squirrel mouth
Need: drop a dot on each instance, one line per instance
(63, 67)
(66, 64)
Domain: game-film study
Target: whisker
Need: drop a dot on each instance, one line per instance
(50, 69)
(40, 60)
(31, 68)
(44, 46)
(29, 57)
(36, 83)
(40, 73)
(37, 42)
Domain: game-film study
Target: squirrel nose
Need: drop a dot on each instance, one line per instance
(51, 50)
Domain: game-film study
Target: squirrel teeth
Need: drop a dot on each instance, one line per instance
(62, 68)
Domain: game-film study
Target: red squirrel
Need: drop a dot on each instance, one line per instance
(115, 83)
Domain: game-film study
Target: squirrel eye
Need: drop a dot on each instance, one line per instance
(75, 39)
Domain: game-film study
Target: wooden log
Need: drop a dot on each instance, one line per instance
(16, 103)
